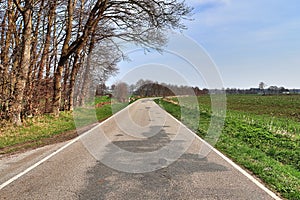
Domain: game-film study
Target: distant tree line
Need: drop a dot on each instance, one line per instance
(155, 89)
(264, 91)
(46, 46)
(148, 88)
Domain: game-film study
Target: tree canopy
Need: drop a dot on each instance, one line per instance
(47, 45)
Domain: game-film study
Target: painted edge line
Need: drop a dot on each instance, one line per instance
(228, 160)
(237, 167)
(14, 178)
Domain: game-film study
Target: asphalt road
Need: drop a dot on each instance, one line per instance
(140, 153)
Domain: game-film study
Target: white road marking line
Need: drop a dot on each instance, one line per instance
(237, 167)
(44, 160)
(57, 151)
(272, 194)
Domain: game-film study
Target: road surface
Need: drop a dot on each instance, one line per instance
(140, 153)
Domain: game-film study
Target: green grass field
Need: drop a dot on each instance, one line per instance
(261, 133)
(38, 130)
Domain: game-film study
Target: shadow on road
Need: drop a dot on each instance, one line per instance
(106, 183)
(160, 139)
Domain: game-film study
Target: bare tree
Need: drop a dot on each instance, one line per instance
(262, 86)
(7, 28)
(23, 68)
(100, 64)
(142, 22)
(47, 44)
(121, 92)
(77, 45)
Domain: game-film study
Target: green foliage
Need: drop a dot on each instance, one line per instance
(262, 133)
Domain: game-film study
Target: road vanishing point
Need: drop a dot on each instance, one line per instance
(118, 160)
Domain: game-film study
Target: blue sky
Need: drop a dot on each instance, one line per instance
(249, 42)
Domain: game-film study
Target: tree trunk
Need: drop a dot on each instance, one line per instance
(17, 104)
(87, 73)
(65, 89)
(6, 39)
(32, 98)
(46, 48)
(89, 28)
(57, 90)
(56, 100)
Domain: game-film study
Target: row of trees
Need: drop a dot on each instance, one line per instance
(155, 89)
(270, 90)
(50, 48)
(148, 88)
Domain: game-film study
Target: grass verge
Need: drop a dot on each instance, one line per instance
(47, 129)
(263, 142)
